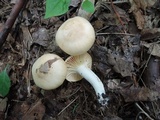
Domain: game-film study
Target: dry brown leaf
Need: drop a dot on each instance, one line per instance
(139, 94)
(27, 42)
(139, 19)
(151, 75)
(136, 6)
(27, 38)
(35, 112)
(3, 104)
(150, 3)
(148, 34)
(41, 37)
(154, 48)
(13, 1)
(121, 65)
(75, 3)
(113, 84)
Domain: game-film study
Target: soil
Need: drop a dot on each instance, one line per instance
(126, 57)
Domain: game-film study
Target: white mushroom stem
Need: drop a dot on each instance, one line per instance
(79, 67)
(94, 80)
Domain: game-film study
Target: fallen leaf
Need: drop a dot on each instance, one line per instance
(151, 75)
(139, 19)
(13, 1)
(35, 112)
(3, 104)
(99, 60)
(41, 37)
(150, 33)
(75, 3)
(154, 48)
(150, 3)
(139, 94)
(120, 65)
(113, 84)
(27, 38)
(136, 6)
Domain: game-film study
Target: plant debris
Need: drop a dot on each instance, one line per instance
(126, 57)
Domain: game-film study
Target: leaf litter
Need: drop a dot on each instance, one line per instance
(125, 56)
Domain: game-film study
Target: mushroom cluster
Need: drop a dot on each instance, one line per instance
(75, 37)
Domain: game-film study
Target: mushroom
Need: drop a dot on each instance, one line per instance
(75, 36)
(49, 71)
(79, 67)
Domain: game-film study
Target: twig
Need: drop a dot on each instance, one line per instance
(10, 21)
(127, 34)
(118, 16)
(144, 111)
(140, 76)
(68, 105)
(119, 2)
(67, 96)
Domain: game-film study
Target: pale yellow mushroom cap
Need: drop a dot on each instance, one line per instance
(75, 36)
(49, 71)
(73, 62)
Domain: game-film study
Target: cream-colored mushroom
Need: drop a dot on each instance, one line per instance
(75, 36)
(79, 67)
(49, 71)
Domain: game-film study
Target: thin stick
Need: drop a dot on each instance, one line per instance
(118, 2)
(10, 21)
(116, 34)
(140, 77)
(118, 16)
(68, 105)
(144, 111)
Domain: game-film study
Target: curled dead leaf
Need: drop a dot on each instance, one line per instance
(139, 19)
(136, 6)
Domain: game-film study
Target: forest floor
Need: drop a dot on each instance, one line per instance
(126, 57)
